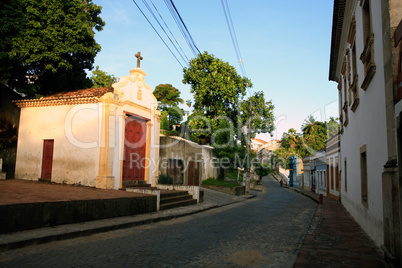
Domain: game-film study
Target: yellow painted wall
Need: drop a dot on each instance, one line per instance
(74, 130)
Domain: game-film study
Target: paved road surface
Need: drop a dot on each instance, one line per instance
(265, 231)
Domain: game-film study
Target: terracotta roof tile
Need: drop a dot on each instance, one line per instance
(90, 92)
(259, 140)
(82, 96)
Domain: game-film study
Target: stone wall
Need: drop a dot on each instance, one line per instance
(185, 151)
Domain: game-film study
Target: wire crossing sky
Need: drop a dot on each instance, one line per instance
(286, 45)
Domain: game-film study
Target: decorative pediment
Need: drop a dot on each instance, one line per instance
(134, 89)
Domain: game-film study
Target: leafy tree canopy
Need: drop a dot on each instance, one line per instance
(332, 127)
(46, 45)
(291, 144)
(315, 134)
(262, 169)
(101, 78)
(260, 112)
(168, 100)
(168, 95)
(313, 138)
(216, 85)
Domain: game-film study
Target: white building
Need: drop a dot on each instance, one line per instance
(363, 65)
(256, 144)
(93, 137)
(332, 156)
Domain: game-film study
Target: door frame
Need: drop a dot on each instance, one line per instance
(147, 145)
(44, 153)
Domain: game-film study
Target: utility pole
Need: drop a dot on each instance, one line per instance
(248, 143)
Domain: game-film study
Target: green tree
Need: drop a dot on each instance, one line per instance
(216, 86)
(168, 100)
(101, 78)
(314, 134)
(332, 127)
(291, 144)
(47, 45)
(164, 121)
(260, 112)
(262, 170)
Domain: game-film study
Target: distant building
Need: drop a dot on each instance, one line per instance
(308, 173)
(320, 170)
(332, 157)
(266, 151)
(256, 144)
(366, 63)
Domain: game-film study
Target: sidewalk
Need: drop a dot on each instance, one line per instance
(336, 240)
(212, 199)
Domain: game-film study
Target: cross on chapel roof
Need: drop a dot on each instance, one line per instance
(139, 58)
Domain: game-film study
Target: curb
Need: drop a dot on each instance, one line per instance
(309, 196)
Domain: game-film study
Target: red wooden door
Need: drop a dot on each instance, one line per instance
(47, 159)
(193, 173)
(134, 149)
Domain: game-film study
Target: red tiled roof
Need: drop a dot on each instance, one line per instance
(89, 92)
(82, 96)
(259, 140)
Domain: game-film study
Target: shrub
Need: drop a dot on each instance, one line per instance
(165, 179)
(262, 170)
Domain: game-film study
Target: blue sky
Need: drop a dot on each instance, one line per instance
(285, 47)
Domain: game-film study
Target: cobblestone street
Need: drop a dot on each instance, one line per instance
(265, 231)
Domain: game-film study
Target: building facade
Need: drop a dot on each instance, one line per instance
(332, 157)
(187, 162)
(364, 64)
(267, 150)
(320, 173)
(107, 138)
(308, 173)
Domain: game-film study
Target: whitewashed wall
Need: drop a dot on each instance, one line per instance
(366, 127)
(76, 150)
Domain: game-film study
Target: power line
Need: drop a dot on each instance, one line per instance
(179, 21)
(233, 36)
(187, 60)
(163, 29)
(157, 33)
(180, 26)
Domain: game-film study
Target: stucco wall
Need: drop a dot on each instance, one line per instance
(366, 127)
(179, 148)
(209, 169)
(76, 151)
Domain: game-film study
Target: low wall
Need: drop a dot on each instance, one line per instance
(156, 192)
(239, 190)
(185, 151)
(18, 217)
(193, 190)
(284, 178)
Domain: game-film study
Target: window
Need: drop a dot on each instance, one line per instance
(345, 90)
(320, 176)
(354, 88)
(367, 56)
(363, 175)
(346, 175)
(336, 174)
(366, 18)
(328, 174)
(352, 67)
(332, 177)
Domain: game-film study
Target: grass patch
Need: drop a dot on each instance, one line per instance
(212, 181)
(233, 175)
